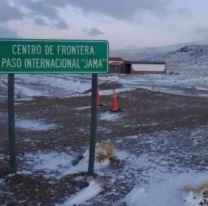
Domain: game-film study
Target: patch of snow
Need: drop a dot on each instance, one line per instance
(119, 141)
(199, 134)
(24, 91)
(183, 84)
(147, 125)
(50, 85)
(51, 162)
(160, 187)
(166, 189)
(83, 195)
(132, 197)
(119, 90)
(132, 137)
(107, 78)
(33, 124)
(201, 88)
(28, 86)
(83, 108)
(192, 199)
(110, 116)
(104, 129)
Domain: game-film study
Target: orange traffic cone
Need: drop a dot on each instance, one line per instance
(98, 99)
(114, 101)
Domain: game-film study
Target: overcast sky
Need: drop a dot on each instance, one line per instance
(124, 23)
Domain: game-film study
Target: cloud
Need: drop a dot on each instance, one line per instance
(44, 9)
(94, 32)
(118, 9)
(122, 9)
(40, 21)
(9, 12)
(44, 12)
(7, 33)
(61, 25)
(40, 8)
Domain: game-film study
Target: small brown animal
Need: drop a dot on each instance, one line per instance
(103, 151)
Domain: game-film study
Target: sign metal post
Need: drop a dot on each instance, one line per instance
(93, 125)
(11, 124)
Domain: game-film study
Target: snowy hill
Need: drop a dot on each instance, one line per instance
(190, 56)
(144, 53)
(187, 57)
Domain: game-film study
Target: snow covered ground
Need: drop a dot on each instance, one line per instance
(51, 163)
(156, 185)
(34, 124)
(153, 180)
(109, 116)
(183, 84)
(155, 177)
(82, 196)
(165, 188)
(29, 86)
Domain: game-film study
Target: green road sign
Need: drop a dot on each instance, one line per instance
(53, 56)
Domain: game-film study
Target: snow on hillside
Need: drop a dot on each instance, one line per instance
(187, 57)
(179, 58)
(143, 53)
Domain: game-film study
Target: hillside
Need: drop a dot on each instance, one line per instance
(143, 53)
(180, 57)
(191, 56)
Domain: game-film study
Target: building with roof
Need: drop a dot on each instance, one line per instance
(120, 65)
